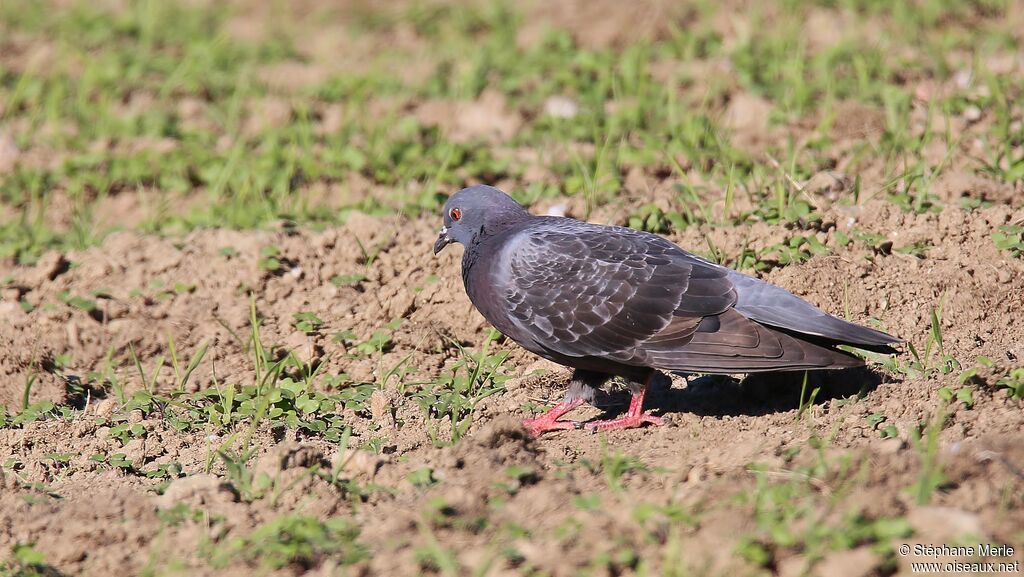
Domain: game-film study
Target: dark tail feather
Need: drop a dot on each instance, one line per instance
(798, 355)
(735, 344)
(777, 307)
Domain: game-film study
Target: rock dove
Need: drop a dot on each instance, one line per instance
(611, 301)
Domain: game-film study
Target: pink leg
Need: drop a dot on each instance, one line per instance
(634, 417)
(549, 420)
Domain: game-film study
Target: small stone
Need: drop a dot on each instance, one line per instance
(972, 114)
(561, 107)
(106, 407)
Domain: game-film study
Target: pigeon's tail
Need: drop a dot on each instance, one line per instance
(771, 305)
(736, 344)
(831, 330)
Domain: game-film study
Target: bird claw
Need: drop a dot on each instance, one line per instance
(626, 422)
(539, 426)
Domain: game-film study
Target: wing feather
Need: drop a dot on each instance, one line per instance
(611, 295)
(581, 290)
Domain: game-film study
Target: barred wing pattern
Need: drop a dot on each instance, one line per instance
(583, 291)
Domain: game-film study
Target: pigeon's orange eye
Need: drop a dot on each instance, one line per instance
(455, 213)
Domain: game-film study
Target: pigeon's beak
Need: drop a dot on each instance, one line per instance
(443, 240)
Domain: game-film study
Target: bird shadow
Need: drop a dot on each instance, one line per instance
(755, 395)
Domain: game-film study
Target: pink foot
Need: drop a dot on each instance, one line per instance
(537, 426)
(625, 422)
(634, 417)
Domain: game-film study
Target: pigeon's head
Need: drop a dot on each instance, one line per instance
(476, 211)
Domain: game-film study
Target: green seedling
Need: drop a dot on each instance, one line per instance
(962, 395)
(454, 395)
(1010, 237)
(806, 401)
(270, 259)
(182, 375)
(877, 422)
(1013, 382)
(294, 540)
(307, 322)
(931, 477)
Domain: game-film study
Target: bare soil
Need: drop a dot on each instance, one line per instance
(106, 521)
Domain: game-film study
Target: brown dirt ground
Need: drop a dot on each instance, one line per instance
(108, 523)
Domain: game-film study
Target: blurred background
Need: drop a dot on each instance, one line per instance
(167, 116)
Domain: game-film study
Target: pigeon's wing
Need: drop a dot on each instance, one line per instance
(585, 291)
(778, 307)
(636, 299)
(767, 328)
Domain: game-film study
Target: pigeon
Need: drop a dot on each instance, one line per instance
(610, 301)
